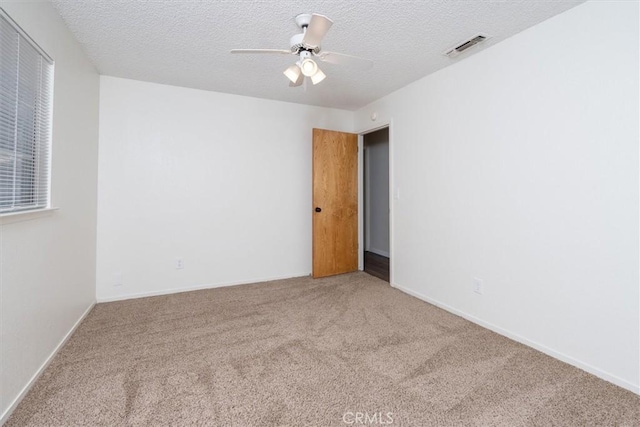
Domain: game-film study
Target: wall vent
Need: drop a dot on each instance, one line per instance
(467, 44)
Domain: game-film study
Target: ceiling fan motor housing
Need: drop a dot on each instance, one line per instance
(297, 45)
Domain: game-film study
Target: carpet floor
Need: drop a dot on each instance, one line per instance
(307, 352)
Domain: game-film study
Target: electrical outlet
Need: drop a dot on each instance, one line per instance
(117, 279)
(478, 286)
(179, 263)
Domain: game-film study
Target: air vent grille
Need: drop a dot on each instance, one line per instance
(467, 44)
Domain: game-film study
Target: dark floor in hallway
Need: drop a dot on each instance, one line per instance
(376, 265)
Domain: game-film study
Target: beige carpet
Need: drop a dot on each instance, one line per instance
(307, 352)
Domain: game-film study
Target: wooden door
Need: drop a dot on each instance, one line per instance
(335, 202)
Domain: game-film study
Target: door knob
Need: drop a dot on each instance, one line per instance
(318, 210)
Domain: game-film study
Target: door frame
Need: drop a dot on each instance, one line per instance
(392, 189)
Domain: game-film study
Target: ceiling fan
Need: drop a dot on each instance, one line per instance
(306, 46)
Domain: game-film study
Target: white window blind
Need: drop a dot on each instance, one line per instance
(26, 101)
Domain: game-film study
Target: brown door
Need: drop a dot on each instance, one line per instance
(335, 202)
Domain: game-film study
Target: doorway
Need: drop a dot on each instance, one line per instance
(376, 204)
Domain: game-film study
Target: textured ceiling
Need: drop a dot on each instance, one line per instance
(187, 43)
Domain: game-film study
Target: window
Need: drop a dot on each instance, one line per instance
(26, 95)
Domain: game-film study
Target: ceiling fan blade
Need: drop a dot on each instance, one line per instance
(278, 51)
(297, 82)
(318, 27)
(343, 59)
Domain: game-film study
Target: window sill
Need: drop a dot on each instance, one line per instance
(11, 217)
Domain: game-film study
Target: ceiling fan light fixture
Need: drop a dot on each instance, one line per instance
(318, 77)
(293, 73)
(309, 67)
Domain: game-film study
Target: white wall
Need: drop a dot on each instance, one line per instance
(519, 166)
(376, 159)
(222, 181)
(47, 264)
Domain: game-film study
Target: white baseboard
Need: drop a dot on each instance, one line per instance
(379, 252)
(194, 288)
(40, 370)
(635, 388)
